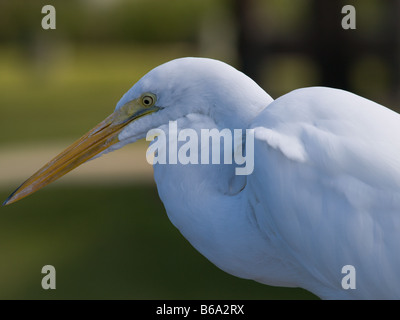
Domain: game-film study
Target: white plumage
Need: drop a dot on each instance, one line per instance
(324, 193)
(328, 169)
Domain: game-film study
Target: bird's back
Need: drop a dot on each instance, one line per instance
(327, 174)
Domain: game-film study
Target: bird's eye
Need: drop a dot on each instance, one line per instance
(148, 100)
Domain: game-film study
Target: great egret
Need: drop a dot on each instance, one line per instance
(324, 196)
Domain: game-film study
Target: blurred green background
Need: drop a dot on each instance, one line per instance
(107, 234)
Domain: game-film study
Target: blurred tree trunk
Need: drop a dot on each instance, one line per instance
(250, 53)
(331, 45)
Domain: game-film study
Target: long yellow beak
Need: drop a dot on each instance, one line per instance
(102, 136)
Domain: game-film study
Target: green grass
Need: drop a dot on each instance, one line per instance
(65, 92)
(109, 243)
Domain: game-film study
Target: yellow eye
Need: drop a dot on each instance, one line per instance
(148, 100)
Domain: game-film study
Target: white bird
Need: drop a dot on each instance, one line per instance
(324, 193)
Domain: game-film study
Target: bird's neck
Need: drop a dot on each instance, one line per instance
(213, 209)
(206, 203)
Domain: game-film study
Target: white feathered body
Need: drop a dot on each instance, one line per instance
(328, 162)
(325, 193)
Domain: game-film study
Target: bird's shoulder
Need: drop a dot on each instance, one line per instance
(333, 130)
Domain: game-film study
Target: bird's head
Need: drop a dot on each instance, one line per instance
(168, 92)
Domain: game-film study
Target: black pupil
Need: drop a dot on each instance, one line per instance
(147, 101)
